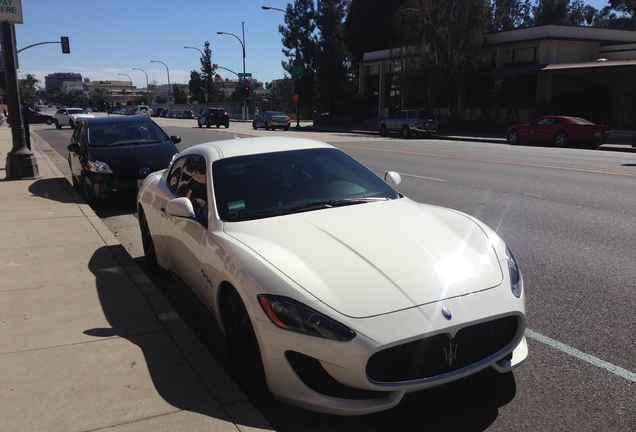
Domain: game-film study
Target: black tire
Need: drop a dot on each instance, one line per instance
(57, 124)
(89, 194)
(227, 125)
(245, 355)
(383, 130)
(405, 132)
(513, 137)
(147, 243)
(71, 123)
(561, 139)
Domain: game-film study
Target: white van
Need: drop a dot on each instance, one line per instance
(142, 110)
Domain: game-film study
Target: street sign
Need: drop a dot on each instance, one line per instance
(298, 70)
(245, 74)
(11, 11)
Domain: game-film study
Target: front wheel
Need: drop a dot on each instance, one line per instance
(242, 344)
(57, 124)
(147, 243)
(513, 137)
(383, 130)
(561, 139)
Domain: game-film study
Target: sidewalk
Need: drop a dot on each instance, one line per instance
(86, 340)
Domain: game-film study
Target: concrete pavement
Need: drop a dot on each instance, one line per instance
(86, 341)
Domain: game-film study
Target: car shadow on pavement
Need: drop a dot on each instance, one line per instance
(56, 189)
(167, 374)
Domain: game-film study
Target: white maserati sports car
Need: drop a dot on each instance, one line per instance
(334, 291)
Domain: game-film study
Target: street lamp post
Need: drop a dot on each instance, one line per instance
(242, 42)
(297, 101)
(129, 80)
(147, 88)
(168, 72)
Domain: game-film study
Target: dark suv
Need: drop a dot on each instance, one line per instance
(213, 116)
(410, 122)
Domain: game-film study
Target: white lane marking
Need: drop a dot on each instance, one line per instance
(422, 177)
(616, 370)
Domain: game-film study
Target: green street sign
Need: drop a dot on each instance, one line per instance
(298, 70)
(245, 74)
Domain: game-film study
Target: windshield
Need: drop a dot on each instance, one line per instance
(76, 111)
(122, 133)
(275, 184)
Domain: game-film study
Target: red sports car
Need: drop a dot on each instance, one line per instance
(561, 131)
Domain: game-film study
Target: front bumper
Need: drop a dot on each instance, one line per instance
(340, 377)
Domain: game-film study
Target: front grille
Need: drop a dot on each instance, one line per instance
(439, 355)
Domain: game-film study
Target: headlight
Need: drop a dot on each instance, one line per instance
(294, 316)
(516, 280)
(98, 167)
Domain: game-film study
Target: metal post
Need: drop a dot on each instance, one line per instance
(21, 163)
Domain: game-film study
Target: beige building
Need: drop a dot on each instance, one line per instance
(546, 62)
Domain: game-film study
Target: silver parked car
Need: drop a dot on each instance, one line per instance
(410, 122)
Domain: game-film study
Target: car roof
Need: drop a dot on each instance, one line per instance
(116, 119)
(257, 145)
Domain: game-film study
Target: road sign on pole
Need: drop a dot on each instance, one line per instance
(298, 70)
(245, 74)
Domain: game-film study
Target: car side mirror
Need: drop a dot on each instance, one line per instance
(180, 207)
(175, 139)
(392, 178)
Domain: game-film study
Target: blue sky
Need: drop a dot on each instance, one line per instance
(112, 37)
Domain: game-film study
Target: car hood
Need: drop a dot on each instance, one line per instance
(376, 258)
(128, 160)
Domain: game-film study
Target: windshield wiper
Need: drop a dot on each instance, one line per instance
(318, 205)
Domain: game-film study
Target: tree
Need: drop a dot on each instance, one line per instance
(201, 85)
(333, 59)
(180, 93)
(300, 45)
(363, 15)
(510, 14)
(551, 12)
(627, 7)
(28, 94)
(447, 35)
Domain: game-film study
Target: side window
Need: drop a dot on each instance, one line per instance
(175, 174)
(401, 115)
(411, 114)
(190, 182)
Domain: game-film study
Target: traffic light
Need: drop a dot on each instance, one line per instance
(66, 48)
(247, 91)
(208, 68)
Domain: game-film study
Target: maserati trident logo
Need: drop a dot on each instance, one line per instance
(144, 170)
(450, 354)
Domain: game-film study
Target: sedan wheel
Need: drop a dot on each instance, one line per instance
(57, 124)
(513, 137)
(147, 243)
(383, 131)
(561, 139)
(245, 354)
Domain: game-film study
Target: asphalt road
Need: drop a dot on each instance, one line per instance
(568, 215)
